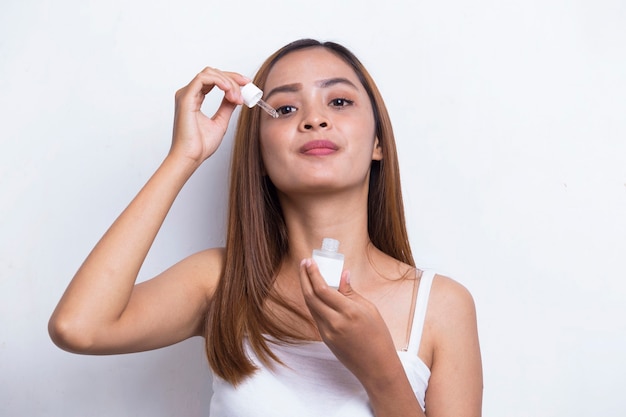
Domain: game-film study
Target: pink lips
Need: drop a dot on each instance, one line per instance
(318, 147)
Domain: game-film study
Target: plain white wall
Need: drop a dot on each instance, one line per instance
(511, 125)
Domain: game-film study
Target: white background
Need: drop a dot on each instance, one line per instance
(511, 125)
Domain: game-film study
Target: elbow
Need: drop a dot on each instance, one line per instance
(68, 335)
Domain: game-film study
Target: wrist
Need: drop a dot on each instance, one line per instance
(390, 392)
(384, 379)
(182, 164)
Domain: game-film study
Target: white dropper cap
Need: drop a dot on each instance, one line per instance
(251, 94)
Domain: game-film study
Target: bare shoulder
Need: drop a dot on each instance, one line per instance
(449, 299)
(453, 351)
(450, 318)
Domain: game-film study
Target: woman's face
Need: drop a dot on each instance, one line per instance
(324, 139)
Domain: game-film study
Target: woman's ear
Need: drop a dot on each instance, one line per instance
(377, 153)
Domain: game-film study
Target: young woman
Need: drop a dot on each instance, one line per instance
(393, 340)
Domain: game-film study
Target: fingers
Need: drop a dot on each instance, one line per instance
(312, 282)
(229, 82)
(196, 136)
(317, 293)
(344, 284)
(192, 95)
(223, 113)
(305, 278)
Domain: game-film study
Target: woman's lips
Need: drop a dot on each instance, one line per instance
(318, 147)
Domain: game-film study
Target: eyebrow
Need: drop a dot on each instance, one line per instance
(295, 87)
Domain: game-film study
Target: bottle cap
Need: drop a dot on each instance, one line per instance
(251, 94)
(330, 245)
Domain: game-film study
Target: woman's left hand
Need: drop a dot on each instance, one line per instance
(356, 333)
(349, 324)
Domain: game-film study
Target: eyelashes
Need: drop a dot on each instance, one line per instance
(337, 103)
(285, 110)
(341, 102)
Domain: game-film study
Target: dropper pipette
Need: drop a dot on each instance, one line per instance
(252, 96)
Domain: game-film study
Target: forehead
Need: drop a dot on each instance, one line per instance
(311, 64)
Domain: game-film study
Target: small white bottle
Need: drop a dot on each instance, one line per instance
(329, 261)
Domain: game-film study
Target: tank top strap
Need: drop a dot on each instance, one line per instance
(419, 315)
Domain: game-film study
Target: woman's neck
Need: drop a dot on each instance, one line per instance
(341, 216)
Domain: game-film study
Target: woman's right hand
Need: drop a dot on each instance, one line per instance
(103, 311)
(197, 136)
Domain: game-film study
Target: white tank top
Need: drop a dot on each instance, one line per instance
(314, 383)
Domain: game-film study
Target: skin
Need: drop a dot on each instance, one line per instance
(323, 193)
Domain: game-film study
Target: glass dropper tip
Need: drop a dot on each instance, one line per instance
(269, 109)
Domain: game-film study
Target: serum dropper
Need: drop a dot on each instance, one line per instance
(252, 96)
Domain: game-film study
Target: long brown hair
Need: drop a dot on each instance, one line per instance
(257, 239)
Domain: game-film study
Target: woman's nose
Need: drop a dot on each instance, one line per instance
(315, 120)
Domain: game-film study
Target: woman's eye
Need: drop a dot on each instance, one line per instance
(341, 102)
(284, 110)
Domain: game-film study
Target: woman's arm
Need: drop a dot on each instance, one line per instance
(455, 388)
(103, 311)
(356, 333)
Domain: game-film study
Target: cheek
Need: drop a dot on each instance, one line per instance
(364, 134)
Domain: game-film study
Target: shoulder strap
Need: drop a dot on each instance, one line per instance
(421, 305)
